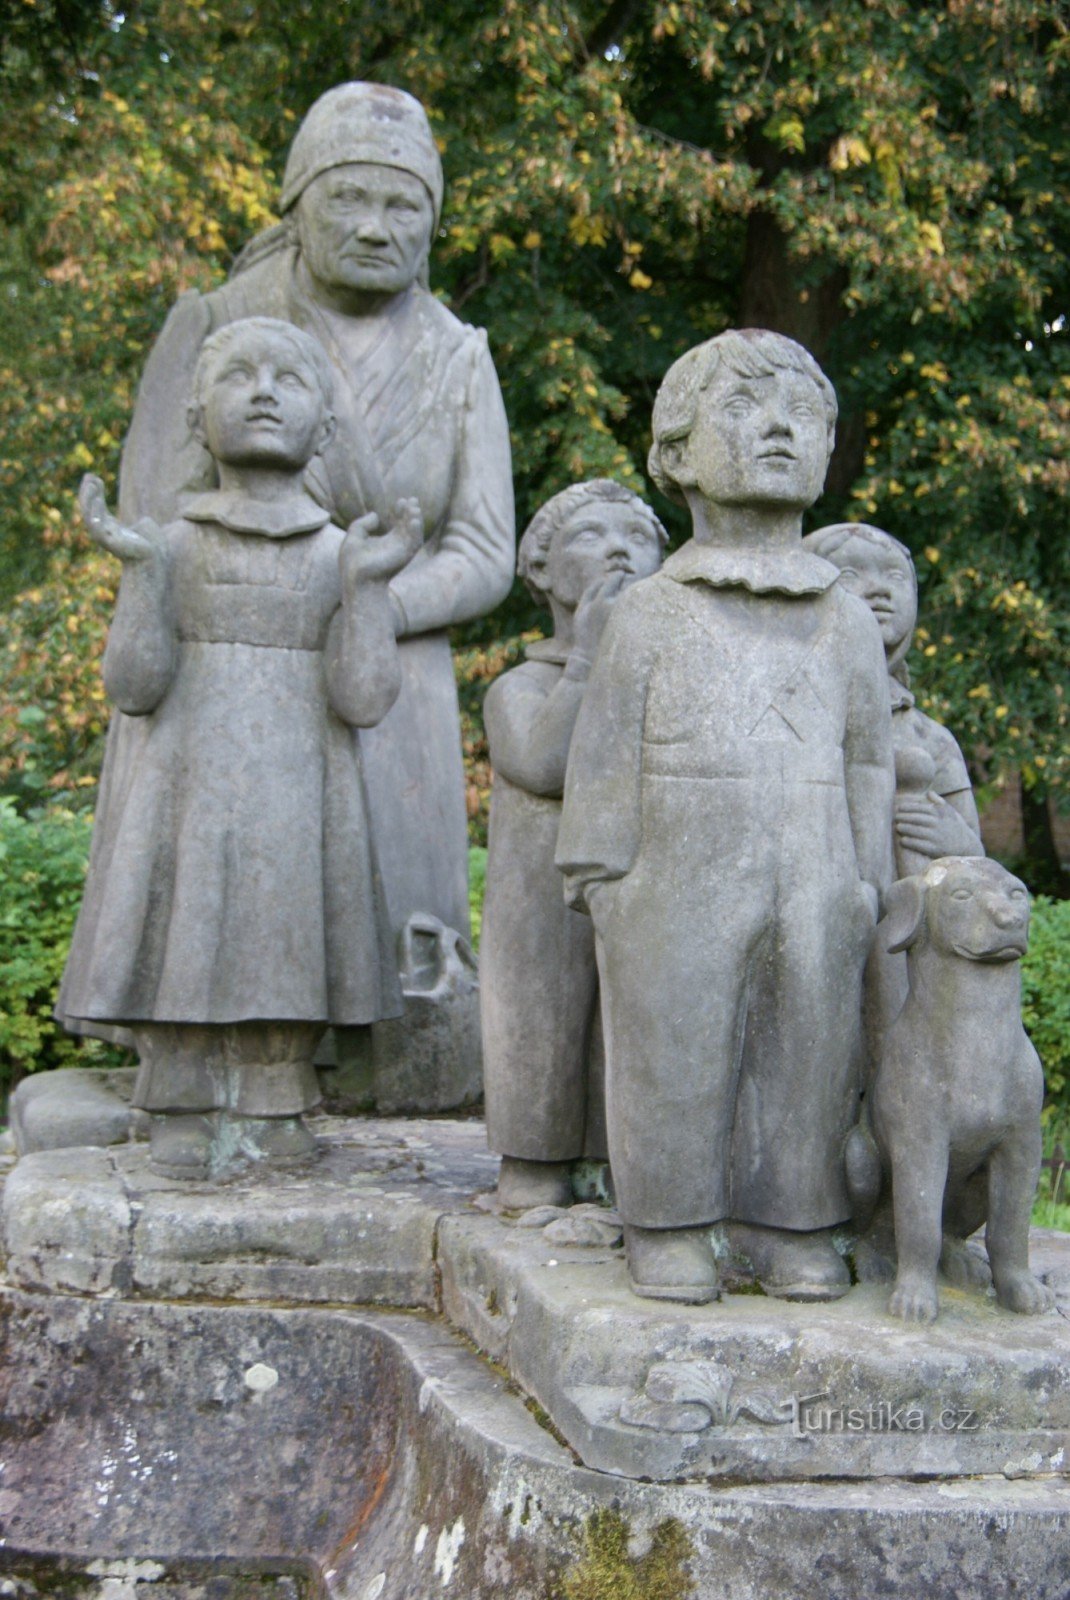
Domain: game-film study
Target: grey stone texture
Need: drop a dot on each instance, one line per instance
(162, 1440)
(233, 905)
(935, 812)
(357, 1226)
(727, 822)
(430, 1057)
(419, 414)
(758, 1389)
(955, 1104)
(386, 1463)
(542, 1044)
(73, 1106)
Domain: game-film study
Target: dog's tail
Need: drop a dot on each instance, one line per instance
(862, 1166)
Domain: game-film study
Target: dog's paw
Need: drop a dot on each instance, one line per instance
(914, 1300)
(964, 1267)
(1021, 1292)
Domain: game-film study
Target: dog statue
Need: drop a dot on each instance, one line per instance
(953, 1114)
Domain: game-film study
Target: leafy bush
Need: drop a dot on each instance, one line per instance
(477, 883)
(1046, 1000)
(42, 865)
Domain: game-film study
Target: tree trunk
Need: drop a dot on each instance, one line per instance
(773, 297)
(1044, 871)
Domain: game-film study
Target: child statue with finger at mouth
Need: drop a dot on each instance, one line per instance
(538, 982)
(233, 908)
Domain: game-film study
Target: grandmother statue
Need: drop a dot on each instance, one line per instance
(419, 414)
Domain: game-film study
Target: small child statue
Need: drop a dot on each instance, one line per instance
(538, 981)
(232, 907)
(935, 812)
(727, 823)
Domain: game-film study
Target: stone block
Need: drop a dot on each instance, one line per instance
(761, 1389)
(73, 1106)
(356, 1226)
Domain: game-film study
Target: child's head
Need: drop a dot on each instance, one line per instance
(748, 417)
(584, 534)
(262, 394)
(880, 570)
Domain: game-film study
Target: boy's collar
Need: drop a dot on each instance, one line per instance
(273, 519)
(794, 571)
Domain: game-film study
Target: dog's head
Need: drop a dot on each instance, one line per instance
(966, 906)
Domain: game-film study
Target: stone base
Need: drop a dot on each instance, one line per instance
(757, 1388)
(356, 1226)
(314, 1454)
(163, 1444)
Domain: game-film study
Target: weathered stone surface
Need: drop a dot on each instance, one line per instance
(736, 712)
(386, 1462)
(758, 1388)
(419, 416)
(78, 1105)
(431, 1058)
(66, 1222)
(543, 1052)
(357, 1225)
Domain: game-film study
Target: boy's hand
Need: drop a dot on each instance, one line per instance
(592, 613)
(368, 556)
(129, 544)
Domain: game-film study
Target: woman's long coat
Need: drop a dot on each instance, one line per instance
(419, 413)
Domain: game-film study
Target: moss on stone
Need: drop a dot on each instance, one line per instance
(608, 1571)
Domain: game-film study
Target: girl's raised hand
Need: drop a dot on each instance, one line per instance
(129, 544)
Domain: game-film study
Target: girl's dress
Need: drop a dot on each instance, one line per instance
(232, 875)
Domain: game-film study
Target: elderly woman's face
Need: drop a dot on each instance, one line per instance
(365, 228)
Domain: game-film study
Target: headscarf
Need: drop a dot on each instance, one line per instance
(363, 122)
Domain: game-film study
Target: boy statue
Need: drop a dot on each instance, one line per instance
(727, 823)
(538, 982)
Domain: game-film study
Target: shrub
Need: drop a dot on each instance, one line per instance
(1046, 999)
(42, 865)
(477, 883)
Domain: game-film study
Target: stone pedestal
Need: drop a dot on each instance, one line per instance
(275, 1389)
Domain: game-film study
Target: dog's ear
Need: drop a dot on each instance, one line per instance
(904, 914)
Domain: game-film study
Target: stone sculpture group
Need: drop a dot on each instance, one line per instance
(711, 778)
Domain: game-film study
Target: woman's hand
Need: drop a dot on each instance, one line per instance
(930, 825)
(369, 556)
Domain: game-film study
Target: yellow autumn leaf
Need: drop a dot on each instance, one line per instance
(639, 279)
(931, 237)
(849, 152)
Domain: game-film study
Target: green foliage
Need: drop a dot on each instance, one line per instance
(885, 182)
(1046, 1002)
(42, 866)
(477, 883)
(609, 1571)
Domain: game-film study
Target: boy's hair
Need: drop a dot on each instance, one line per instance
(559, 511)
(827, 542)
(750, 352)
(308, 350)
